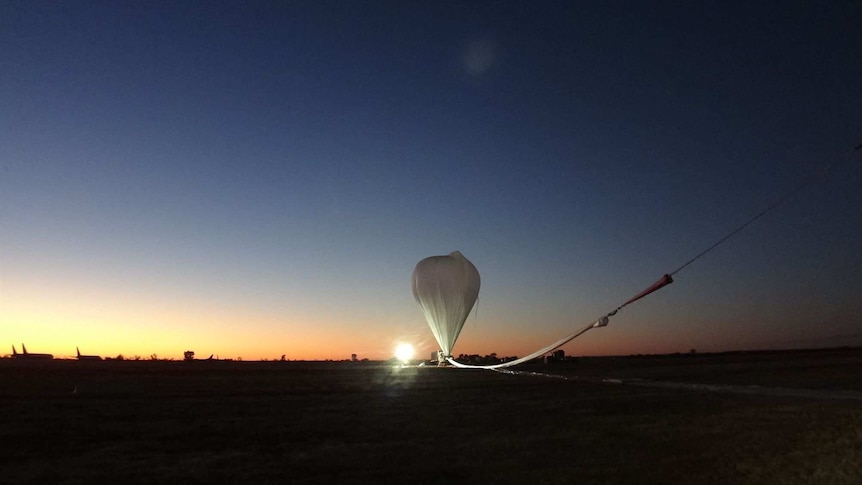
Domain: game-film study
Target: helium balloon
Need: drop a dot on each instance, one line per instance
(446, 287)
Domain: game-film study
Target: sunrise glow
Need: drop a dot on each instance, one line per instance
(170, 182)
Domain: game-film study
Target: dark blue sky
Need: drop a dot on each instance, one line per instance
(249, 175)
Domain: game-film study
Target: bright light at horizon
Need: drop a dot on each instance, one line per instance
(404, 352)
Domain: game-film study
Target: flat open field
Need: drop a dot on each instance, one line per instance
(293, 422)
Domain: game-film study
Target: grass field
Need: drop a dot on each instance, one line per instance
(274, 422)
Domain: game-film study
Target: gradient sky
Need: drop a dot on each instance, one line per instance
(260, 178)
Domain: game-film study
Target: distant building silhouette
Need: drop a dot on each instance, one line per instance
(558, 356)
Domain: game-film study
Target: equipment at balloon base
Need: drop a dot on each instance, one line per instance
(440, 358)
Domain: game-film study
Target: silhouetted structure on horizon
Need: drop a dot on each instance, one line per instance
(87, 357)
(26, 355)
(476, 359)
(189, 356)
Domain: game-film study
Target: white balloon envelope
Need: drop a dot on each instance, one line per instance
(446, 288)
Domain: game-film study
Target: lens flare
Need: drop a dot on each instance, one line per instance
(404, 352)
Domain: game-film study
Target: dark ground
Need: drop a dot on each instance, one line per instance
(274, 422)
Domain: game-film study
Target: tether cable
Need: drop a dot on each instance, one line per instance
(778, 202)
(667, 278)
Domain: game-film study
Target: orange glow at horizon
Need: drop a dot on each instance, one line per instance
(56, 318)
(111, 324)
